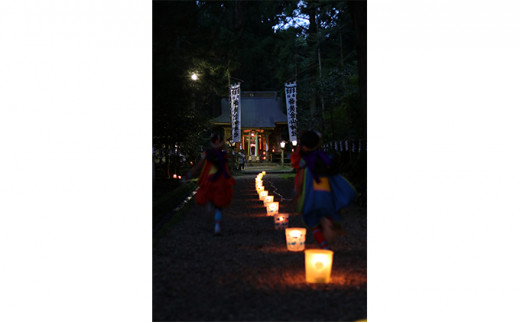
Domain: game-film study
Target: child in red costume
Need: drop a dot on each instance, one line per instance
(215, 181)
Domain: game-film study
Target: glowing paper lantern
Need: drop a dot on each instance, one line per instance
(263, 194)
(318, 265)
(295, 238)
(263, 172)
(259, 190)
(281, 221)
(272, 208)
(268, 199)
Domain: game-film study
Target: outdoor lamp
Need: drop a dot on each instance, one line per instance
(263, 172)
(281, 221)
(294, 143)
(194, 77)
(318, 265)
(282, 144)
(272, 208)
(295, 238)
(263, 194)
(268, 199)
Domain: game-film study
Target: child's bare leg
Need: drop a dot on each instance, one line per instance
(218, 219)
(210, 208)
(320, 239)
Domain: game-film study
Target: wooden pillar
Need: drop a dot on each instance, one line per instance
(256, 145)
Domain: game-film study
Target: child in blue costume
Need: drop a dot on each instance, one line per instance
(321, 194)
(215, 181)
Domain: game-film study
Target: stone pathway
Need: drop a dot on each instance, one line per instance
(248, 274)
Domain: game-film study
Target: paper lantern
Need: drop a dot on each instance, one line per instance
(263, 194)
(318, 265)
(259, 190)
(295, 238)
(268, 199)
(263, 173)
(272, 208)
(281, 221)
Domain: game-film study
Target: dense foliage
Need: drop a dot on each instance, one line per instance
(321, 44)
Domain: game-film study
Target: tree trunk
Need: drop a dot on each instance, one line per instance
(358, 12)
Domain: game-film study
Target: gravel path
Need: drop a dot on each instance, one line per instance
(247, 274)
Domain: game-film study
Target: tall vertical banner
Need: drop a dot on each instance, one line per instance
(290, 99)
(235, 112)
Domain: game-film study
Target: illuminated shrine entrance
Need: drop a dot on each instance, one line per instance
(255, 143)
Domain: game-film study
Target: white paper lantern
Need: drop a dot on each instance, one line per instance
(281, 221)
(295, 238)
(268, 199)
(318, 265)
(272, 208)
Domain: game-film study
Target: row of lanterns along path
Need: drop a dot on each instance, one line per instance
(318, 262)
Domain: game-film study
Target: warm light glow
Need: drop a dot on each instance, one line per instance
(194, 77)
(263, 194)
(268, 199)
(282, 144)
(174, 175)
(272, 208)
(281, 221)
(263, 172)
(295, 238)
(318, 265)
(294, 142)
(180, 177)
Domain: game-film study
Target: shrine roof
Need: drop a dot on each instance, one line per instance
(258, 110)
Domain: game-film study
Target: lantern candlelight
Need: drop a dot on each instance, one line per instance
(268, 199)
(263, 194)
(295, 238)
(272, 208)
(281, 221)
(318, 265)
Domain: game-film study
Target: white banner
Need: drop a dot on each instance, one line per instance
(235, 112)
(290, 98)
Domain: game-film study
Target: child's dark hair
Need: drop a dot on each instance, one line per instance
(216, 134)
(310, 139)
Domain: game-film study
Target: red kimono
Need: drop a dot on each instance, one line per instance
(215, 182)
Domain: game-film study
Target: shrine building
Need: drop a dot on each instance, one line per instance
(263, 124)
